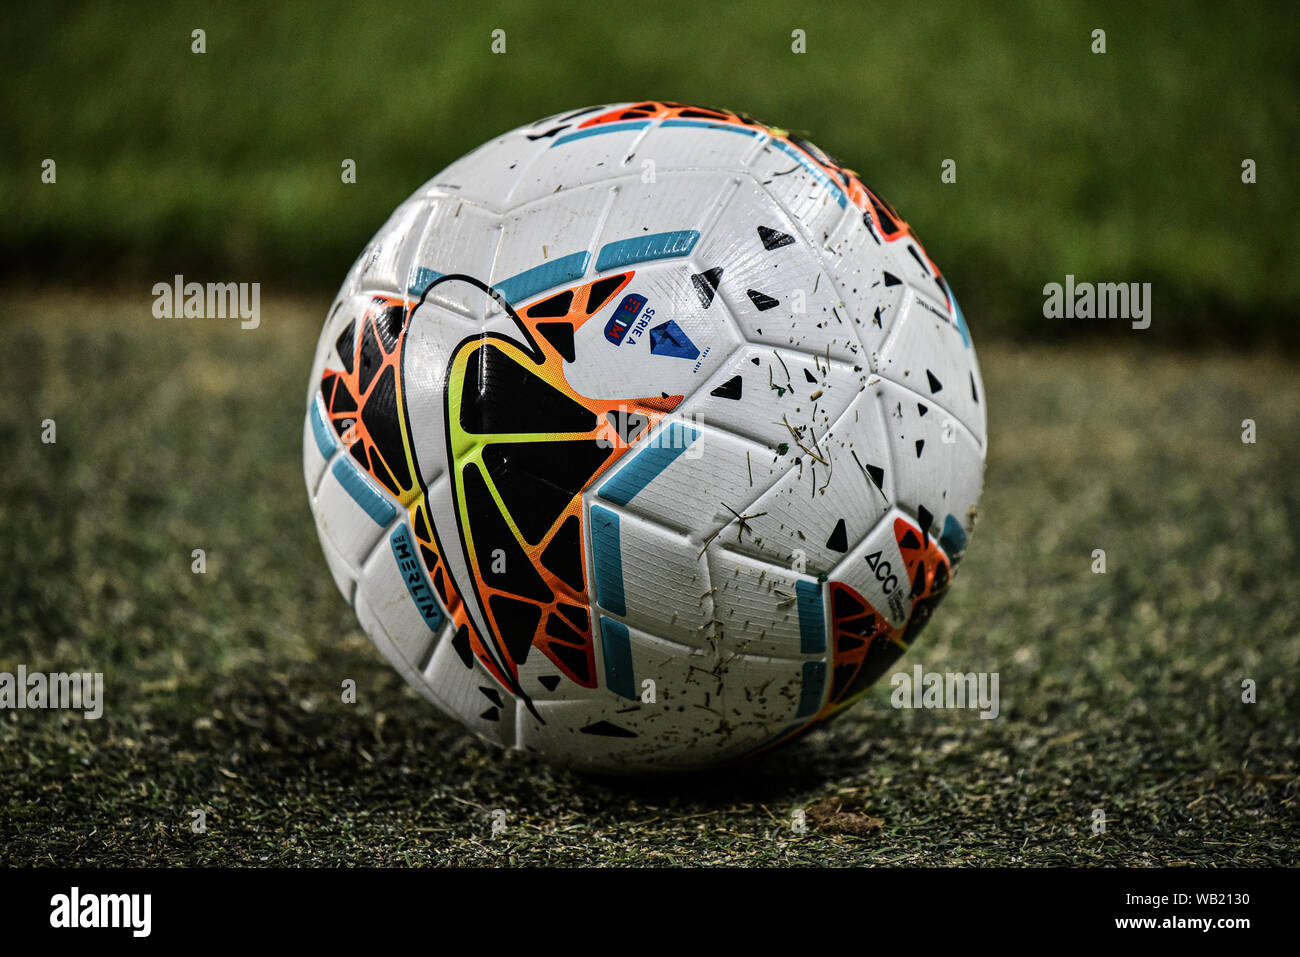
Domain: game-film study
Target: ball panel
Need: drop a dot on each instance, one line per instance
(769, 275)
(400, 600)
(460, 237)
(352, 513)
(776, 387)
(938, 463)
(926, 354)
(831, 497)
(698, 718)
(692, 493)
(384, 263)
(343, 574)
(875, 570)
(649, 578)
(765, 609)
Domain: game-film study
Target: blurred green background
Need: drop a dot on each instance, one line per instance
(1122, 691)
(1120, 167)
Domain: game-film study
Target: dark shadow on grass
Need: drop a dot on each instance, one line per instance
(786, 771)
(286, 746)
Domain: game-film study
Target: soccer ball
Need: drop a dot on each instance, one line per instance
(644, 437)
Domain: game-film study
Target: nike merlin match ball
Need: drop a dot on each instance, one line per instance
(644, 438)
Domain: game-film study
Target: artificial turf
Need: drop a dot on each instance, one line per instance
(1119, 691)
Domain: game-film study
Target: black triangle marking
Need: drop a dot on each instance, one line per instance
(844, 605)
(809, 376)
(973, 394)
(461, 645)
(563, 556)
(755, 360)
(516, 622)
(553, 308)
(628, 425)
(877, 475)
(846, 642)
(922, 408)
(706, 284)
(871, 227)
(346, 345)
(560, 335)
(762, 301)
(492, 695)
(920, 444)
(729, 389)
(549, 682)
(536, 482)
(576, 615)
(918, 583)
(773, 238)
(839, 540)
(491, 714)
(926, 518)
(607, 730)
(935, 384)
(887, 224)
(601, 290)
(891, 279)
(551, 132)
(917, 257)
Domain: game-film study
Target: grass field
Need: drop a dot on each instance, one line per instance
(1115, 167)
(1119, 691)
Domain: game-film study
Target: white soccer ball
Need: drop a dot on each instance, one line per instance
(644, 437)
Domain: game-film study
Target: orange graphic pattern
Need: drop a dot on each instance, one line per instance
(523, 456)
(864, 643)
(364, 404)
(882, 218)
